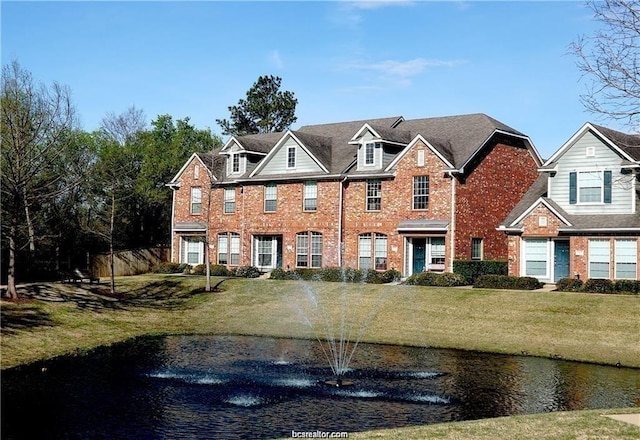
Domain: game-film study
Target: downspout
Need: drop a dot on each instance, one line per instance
(173, 217)
(340, 249)
(453, 223)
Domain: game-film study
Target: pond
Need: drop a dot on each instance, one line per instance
(251, 387)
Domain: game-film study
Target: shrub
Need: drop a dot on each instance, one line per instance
(569, 285)
(247, 272)
(332, 274)
(446, 279)
(599, 286)
(370, 276)
(170, 267)
(390, 276)
(627, 286)
(198, 270)
(507, 282)
(472, 269)
(278, 274)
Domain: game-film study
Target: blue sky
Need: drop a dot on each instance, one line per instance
(343, 60)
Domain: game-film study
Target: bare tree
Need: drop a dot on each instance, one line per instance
(124, 127)
(35, 124)
(610, 57)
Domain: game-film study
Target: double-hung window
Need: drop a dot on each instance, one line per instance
(536, 257)
(235, 163)
(192, 250)
(196, 200)
(372, 251)
(476, 248)
(590, 187)
(229, 248)
(369, 153)
(420, 192)
(374, 195)
(229, 200)
(626, 259)
(599, 258)
(309, 249)
(291, 157)
(270, 197)
(310, 202)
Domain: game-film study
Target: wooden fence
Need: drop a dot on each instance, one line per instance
(131, 262)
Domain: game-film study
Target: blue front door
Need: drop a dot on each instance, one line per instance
(561, 260)
(419, 254)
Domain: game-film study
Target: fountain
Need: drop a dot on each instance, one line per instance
(338, 336)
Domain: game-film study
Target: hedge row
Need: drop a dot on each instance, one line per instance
(337, 274)
(599, 286)
(216, 270)
(446, 279)
(507, 282)
(472, 269)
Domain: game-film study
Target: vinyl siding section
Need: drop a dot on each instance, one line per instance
(278, 162)
(575, 159)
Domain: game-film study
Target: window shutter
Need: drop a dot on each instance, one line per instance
(607, 187)
(573, 188)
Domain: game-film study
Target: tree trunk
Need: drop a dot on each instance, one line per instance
(111, 228)
(11, 282)
(32, 233)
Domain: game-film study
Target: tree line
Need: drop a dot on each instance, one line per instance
(67, 193)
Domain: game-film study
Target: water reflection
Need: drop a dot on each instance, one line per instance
(245, 387)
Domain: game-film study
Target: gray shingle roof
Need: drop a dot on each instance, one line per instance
(578, 222)
(214, 162)
(629, 143)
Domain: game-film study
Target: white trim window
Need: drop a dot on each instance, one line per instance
(476, 248)
(192, 250)
(229, 200)
(309, 249)
(229, 248)
(372, 251)
(310, 202)
(374, 195)
(291, 157)
(196, 200)
(626, 259)
(370, 153)
(420, 192)
(599, 258)
(536, 261)
(590, 187)
(270, 197)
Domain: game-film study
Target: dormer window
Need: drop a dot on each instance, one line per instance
(369, 150)
(236, 163)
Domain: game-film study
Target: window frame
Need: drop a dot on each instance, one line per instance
(373, 199)
(420, 191)
(618, 262)
(373, 248)
(185, 243)
(527, 252)
(195, 201)
(307, 206)
(291, 157)
(309, 249)
(229, 202)
(477, 244)
(270, 195)
(591, 260)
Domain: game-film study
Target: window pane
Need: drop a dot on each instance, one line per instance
(235, 248)
(369, 153)
(591, 184)
(196, 200)
(599, 258)
(437, 251)
(476, 248)
(291, 157)
(626, 259)
(420, 192)
(270, 195)
(374, 193)
(536, 257)
(310, 196)
(270, 205)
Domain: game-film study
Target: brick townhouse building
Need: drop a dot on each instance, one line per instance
(389, 193)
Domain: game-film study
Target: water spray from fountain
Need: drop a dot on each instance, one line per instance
(338, 336)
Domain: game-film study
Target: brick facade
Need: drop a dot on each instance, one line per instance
(462, 204)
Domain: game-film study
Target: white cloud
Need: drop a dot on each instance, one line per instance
(376, 4)
(276, 59)
(401, 72)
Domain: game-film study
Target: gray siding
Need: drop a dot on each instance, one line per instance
(575, 159)
(278, 162)
(377, 155)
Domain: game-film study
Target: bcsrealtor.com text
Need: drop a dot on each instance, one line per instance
(319, 434)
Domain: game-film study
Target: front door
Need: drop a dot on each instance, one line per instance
(561, 260)
(419, 254)
(267, 252)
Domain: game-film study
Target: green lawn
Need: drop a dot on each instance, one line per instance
(59, 319)
(576, 326)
